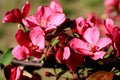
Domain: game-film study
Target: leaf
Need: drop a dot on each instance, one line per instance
(61, 73)
(55, 41)
(6, 57)
(101, 75)
(108, 76)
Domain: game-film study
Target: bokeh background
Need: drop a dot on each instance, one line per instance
(72, 9)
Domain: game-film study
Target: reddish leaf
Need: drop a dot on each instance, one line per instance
(101, 75)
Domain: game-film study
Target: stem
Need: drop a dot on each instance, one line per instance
(23, 26)
(54, 71)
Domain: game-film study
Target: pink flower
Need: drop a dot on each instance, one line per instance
(30, 44)
(110, 27)
(95, 20)
(114, 33)
(13, 72)
(55, 6)
(92, 46)
(47, 17)
(112, 8)
(110, 2)
(15, 15)
(72, 59)
(83, 24)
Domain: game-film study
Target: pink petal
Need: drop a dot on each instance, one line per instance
(55, 20)
(83, 24)
(43, 12)
(109, 24)
(18, 73)
(103, 42)
(78, 20)
(30, 22)
(50, 28)
(110, 2)
(25, 10)
(92, 35)
(20, 52)
(42, 15)
(98, 55)
(79, 46)
(95, 19)
(12, 72)
(80, 29)
(66, 53)
(55, 6)
(13, 16)
(37, 37)
(22, 38)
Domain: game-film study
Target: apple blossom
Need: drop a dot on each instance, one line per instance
(16, 15)
(92, 46)
(113, 32)
(13, 72)
(30, 44)
(70, 58)
(112, 8)
(83, 24)
(46, 17)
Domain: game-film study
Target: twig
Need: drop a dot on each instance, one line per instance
(23, 63)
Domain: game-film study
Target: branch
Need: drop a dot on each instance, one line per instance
(23, 63)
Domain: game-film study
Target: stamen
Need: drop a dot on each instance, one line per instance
(33, 47)
(43, 23)
(92, 48)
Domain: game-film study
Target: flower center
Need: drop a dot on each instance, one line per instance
(43, 23)
(92, 48)
(33, 47)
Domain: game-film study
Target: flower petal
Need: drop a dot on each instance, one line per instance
(75, 60)
(55, 20)
(80, 28)
(109, 24)
(103, 42)
(55, 6)
(18, 73)
(98, 55)
(37, 37)
(37, 55)
(83, 24)
(12, 72)
(59, 55)
(92, 35)
(30, 22)
(25, 9)
(22, 38)
(13, 16)
(20, 52)
(79, 46)
(43, 12)
(66, 53)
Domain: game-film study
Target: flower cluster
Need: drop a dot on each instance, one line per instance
(70, 43)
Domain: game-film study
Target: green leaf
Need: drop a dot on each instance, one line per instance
(6, 57)
(55, 41)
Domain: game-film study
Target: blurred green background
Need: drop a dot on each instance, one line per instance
(72, 9)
